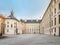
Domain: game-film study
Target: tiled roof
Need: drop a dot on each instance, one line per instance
(1, 16)
(12, 16)
(22, 20)
(33, 21)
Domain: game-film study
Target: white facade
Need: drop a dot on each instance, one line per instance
(19, 27)
(32, 28)
(10, 26)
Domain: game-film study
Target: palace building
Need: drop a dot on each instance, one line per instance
(11, 24)
(23, 26)
(33, 26)
(50, 23)
(2, 20)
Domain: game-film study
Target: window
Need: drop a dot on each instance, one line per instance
(55, 1)
(7, 30)
(7, 25)
(1, 24)
(59, 28)
(51, 13)
(52, 30)
(59, 18)
(0, 19)
(14, 23)
(4, 25)
(55, 21)
(59, 31)
(52, 23)
(7, 22)
(59, 5)
(14, 26)
(55, 10)
(11, 25)
(55, 29)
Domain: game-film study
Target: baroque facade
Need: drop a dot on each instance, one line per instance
(2, 20)
(11, 24)
(50, 23)
(14, 26)
(33, 26)
(23, 26)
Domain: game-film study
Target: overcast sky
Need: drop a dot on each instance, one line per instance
(24, 9)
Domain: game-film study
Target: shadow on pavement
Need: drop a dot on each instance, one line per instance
(3, 37)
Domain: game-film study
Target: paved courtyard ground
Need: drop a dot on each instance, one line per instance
(30, 39)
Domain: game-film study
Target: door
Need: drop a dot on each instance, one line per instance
(59, 31)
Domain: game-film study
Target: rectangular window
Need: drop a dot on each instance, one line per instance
(59, 18)
(1, 24)
(55, 21)
(59, 28)
(14, 26)
(55, 1)
(7, 22)
(7, 25)
(7, 30)
(15, 23)
(59, 5)
(52, 30)
(52, 23)
(4, 25)
(55, 29)
(55, 10)
(59, 31)
(11, 25)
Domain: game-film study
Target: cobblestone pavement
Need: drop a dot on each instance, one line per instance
(30, 39)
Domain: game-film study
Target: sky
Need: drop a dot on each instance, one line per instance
(24, 9)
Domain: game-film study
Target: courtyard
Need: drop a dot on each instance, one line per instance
(30, 39)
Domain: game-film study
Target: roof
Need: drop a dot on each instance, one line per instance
(1, 16)
(33, 21)
(11, 16)
(22, 20)
(47, 8)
